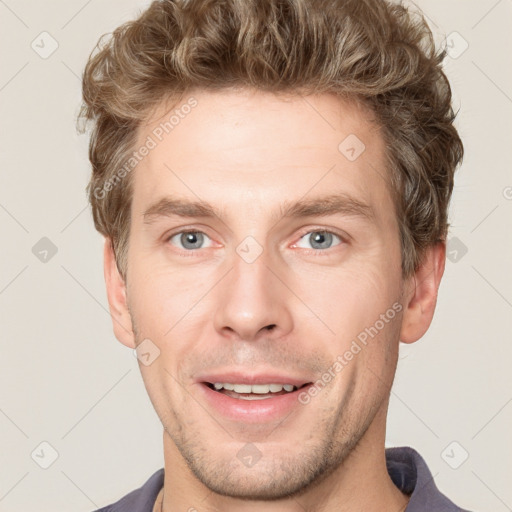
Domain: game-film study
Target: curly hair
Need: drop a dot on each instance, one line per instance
(373, 51)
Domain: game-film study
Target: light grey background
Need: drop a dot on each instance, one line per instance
(65, 379)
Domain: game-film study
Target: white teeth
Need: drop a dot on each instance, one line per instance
(241, 388)
(258, 389)
(261, 389)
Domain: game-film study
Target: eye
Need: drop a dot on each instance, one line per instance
(319, 239)
(189, 240)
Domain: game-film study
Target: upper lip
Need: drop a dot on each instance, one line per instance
(244, 377)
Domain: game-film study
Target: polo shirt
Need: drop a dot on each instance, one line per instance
(406, 467)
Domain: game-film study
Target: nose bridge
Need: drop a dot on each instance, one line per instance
(252, 299)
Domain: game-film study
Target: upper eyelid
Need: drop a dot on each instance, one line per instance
(333, 231)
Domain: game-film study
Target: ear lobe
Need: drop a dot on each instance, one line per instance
(421, 294)
(116, 293)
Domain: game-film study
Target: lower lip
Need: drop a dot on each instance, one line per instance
(252, 411)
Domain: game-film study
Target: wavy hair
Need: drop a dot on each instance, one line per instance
(374, 51)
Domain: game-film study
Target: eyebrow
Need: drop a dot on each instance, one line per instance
(333, 204)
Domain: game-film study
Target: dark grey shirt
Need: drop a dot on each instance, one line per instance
(406, 468)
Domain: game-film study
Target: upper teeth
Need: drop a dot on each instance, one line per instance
(255, 388)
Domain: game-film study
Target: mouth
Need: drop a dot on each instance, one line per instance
(244, 397)
(242, 391)
(256, 399)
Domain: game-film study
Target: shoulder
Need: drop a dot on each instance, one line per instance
(141, 499)
(410, 473)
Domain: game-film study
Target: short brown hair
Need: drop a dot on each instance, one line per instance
(373, 51)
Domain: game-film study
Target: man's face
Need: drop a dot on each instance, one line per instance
(257, 296)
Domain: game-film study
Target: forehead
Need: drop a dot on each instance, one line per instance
(252, 149)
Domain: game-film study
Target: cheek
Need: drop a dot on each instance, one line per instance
(349, 300)
(163, 299)
(360, 308)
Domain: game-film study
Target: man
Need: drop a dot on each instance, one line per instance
(272, 179)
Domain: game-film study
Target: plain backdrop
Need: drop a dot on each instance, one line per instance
(68, 383)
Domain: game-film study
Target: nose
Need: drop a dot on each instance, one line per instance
(253, 302)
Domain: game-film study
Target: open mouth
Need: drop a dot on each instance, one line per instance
(254, 391)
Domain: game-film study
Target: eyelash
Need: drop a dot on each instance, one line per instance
(321, 252)
(313, 252)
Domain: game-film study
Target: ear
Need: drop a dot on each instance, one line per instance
(421, 294)
(116, 293)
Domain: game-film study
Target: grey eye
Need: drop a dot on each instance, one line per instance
(189, 240)
(319, 239)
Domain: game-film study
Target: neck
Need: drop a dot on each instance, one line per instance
(361, 482)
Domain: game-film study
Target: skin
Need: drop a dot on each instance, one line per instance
(246, 152)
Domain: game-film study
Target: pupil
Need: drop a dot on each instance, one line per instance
(194, 239)
(322, 238)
